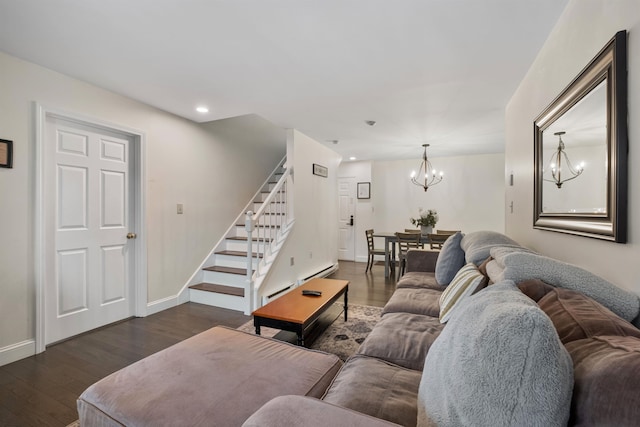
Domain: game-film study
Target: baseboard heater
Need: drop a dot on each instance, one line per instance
(322, 273)
(269, 297)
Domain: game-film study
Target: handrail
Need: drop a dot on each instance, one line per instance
(263, 229)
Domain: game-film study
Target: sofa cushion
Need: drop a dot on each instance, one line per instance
(607, 381)
(497, 362)
(450, 260)
(294, 411)
(519, 266)
(421, 260)
(419, 279)
(414, 300)
(402, 338)
(377, 388)
(218, 377)
(467, 281)
(476, 245)
(576, 316)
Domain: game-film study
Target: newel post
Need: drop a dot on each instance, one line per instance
(248, 226)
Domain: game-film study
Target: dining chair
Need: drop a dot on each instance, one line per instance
(436, 240)
(406, 241)
(449, 232)
(372, 251)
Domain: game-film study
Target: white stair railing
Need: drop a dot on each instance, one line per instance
(264, 230)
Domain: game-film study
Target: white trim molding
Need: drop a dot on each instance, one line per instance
(17, 351)
(162, 304)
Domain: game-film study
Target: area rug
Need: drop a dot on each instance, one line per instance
(340, 338)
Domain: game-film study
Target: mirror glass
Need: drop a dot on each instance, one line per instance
(580, 151)
(584, 189)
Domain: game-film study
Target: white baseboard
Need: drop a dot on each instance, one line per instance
(363, 258)
(15, 352)
(161, 304)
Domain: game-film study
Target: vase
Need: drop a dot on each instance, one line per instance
(426, 229)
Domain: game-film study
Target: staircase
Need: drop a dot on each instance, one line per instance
(235, 269)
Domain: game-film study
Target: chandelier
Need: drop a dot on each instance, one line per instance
(560, 160)
(431, 177)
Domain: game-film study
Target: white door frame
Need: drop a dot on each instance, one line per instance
(139, 185)
(352, 203)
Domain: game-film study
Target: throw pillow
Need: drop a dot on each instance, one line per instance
(467, 281)
(576, 316)
(450, 259)
(498, 362)
(535, 288)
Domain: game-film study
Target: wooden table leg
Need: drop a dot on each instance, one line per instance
(346, 303)
(386, 257)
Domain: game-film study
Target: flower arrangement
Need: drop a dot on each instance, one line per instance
(426, 218)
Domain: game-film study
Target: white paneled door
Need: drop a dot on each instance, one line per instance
(346, 225)
(89, 240)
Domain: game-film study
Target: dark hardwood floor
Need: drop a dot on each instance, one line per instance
(42, 390)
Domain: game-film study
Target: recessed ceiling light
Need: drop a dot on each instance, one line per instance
(202, 109)
(352, 158)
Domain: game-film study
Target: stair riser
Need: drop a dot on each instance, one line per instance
(267, 220)
(240, 245)
(217, 300)
(275, 207)
(228, 279)
(270, 186)
(241, 232)
(232, 261)
(263, 196)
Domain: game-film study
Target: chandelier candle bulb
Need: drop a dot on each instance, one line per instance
(430, 174)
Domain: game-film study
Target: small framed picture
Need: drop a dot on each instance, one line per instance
(320, 170)
(364, 190)
(6, 153)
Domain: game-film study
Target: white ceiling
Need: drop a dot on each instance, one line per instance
(435, 71)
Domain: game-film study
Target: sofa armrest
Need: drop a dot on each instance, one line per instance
(302, 411)
(421, 260)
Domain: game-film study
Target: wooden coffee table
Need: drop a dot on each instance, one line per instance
(296, 312)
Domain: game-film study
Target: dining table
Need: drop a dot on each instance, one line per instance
(390, 241)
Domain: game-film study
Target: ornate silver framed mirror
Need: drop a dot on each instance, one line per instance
(580, 151)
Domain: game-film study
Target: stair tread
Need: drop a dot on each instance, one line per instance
(260, 225)
(237, 253)
(244, 239)
(230, 270)
(219, 289)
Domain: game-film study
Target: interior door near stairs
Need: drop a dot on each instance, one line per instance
(89, 210)
(346, 211)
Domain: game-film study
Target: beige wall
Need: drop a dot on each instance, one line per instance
(313, 242)
(469, 198)
(205, 167)
(583, 29)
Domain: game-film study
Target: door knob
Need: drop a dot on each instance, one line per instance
(131, 235)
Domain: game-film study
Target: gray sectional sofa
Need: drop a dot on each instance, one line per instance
(484, 333)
